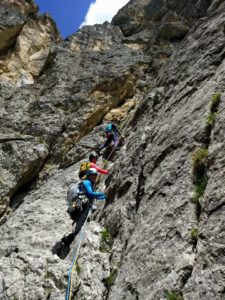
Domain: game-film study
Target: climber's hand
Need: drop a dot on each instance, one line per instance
(106, 191)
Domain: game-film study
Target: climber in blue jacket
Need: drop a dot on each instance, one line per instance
(89, 191)
(88, 185)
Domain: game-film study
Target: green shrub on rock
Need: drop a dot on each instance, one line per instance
(174, 296)
(215, 101)
(194, 233)
(105, 241)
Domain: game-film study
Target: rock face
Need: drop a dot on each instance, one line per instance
(158, 70)
(10, 26)
(26, 7)
(31, 37)
(173, 17)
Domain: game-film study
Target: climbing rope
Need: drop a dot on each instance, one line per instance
(126, 122)
(81, 234)
(73, 266)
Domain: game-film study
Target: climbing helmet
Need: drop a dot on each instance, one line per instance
(92, 171)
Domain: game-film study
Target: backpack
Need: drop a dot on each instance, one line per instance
(76, 197)
(84, 167)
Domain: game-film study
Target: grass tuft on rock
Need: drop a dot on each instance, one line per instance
(174, 296)
(109, 281)
(200, 186)
(78, 269)
(211, 119)
(199, 156)
(105, 241)
(200, 179)
(48, 274)
(215, 101)
(194, 233)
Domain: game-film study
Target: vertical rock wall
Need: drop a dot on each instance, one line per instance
(155, 69)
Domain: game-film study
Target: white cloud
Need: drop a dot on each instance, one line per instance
(102, 10)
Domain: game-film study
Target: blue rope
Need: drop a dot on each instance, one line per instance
(75, 257)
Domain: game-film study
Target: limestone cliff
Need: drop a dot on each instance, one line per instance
(158, 71)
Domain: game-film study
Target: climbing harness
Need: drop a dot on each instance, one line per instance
(73, 266)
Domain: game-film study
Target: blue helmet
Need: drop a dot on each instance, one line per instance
(108, 128)
(92, 171)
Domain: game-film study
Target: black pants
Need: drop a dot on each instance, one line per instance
(79, 223)
(82, 218)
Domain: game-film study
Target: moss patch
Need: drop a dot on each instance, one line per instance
(214, 105)
(105, 242)
(199, 156)
(174, 296)
(109, 281)
(194, 233)
(78, 269)
(211, 119)
(215, 101)
(200, 187)
(200, 179)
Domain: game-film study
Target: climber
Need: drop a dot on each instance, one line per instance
(91, 195)
(85, 166)
(89, 182)
(112, 133)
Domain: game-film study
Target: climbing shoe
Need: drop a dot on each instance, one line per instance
(67, 240)
(94, 208)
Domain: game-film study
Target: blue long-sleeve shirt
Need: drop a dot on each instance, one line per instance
(91, 194)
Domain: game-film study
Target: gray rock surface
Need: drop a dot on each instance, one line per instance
(26, 7)
(140, 14)
(11, 23)
(169, 57)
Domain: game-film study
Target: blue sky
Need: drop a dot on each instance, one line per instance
(69, 15)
